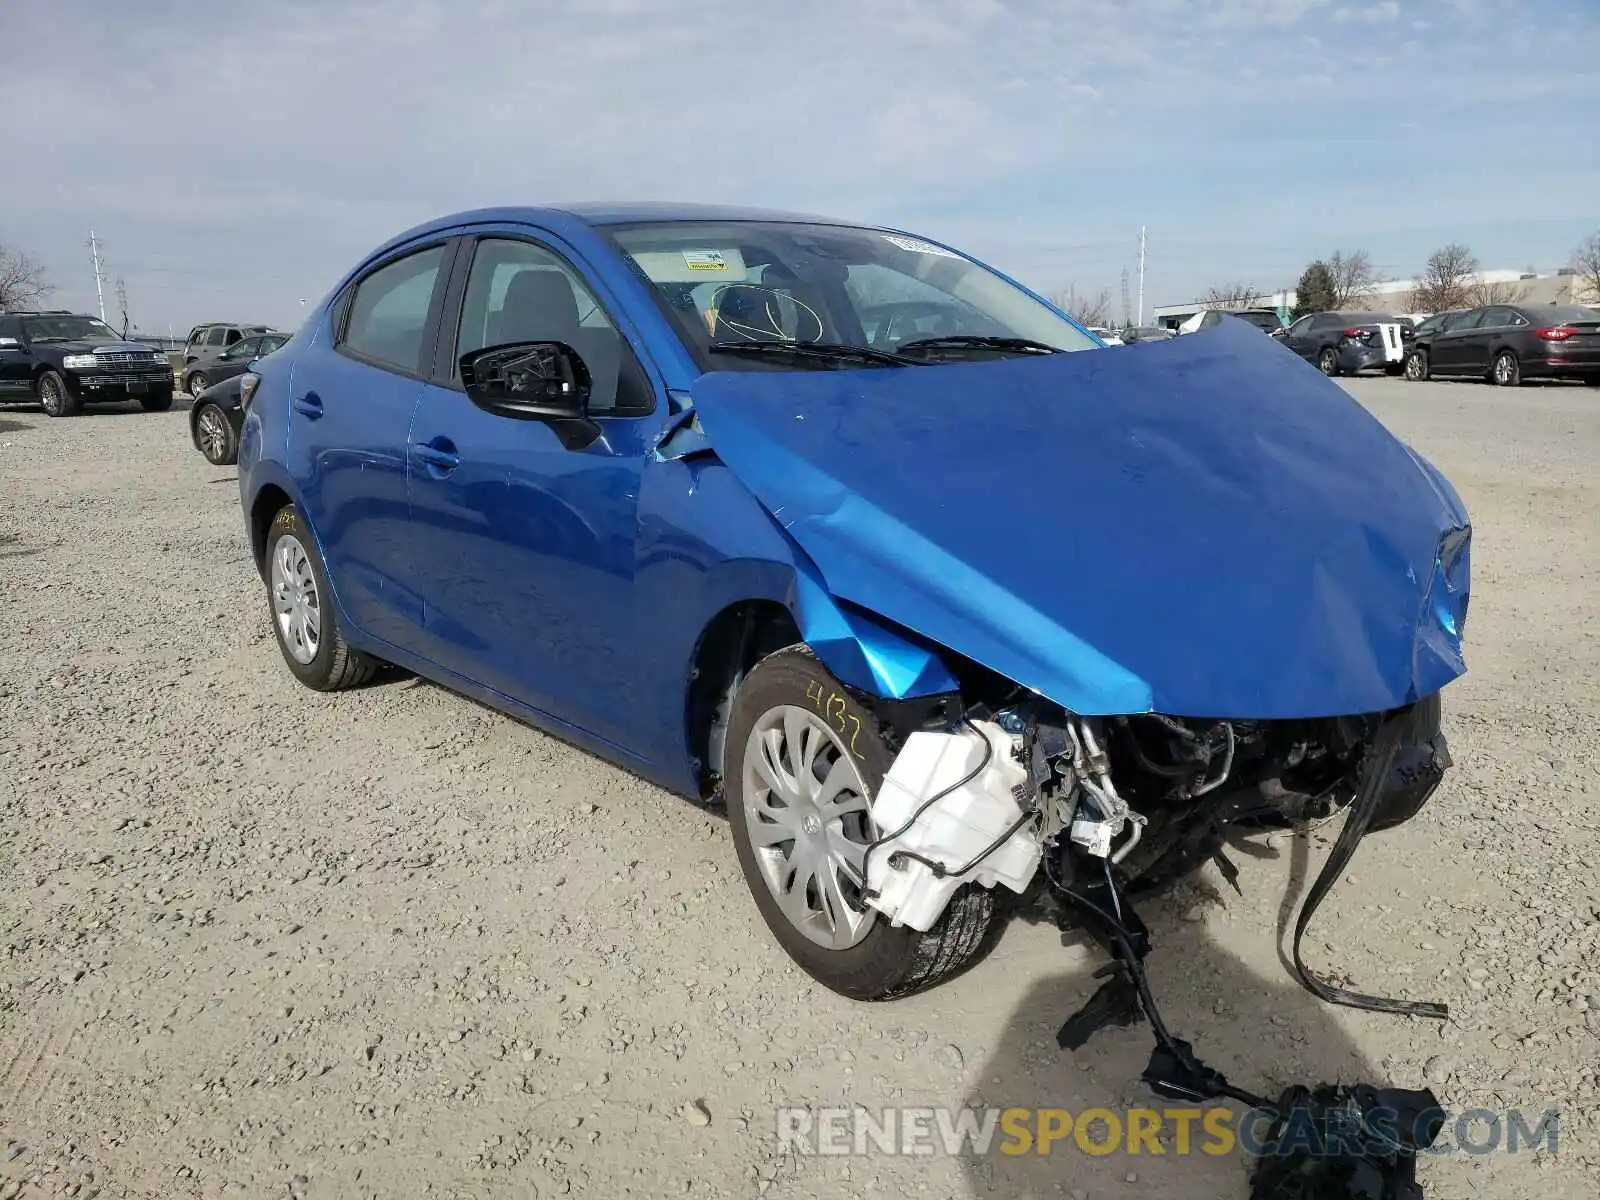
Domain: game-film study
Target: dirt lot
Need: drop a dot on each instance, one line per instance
(262, 942)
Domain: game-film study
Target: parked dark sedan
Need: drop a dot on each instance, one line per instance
(1507, 343)
(1419, 355)
(1264, 319)
(201, 374)
(1347, 343)
(215, 420)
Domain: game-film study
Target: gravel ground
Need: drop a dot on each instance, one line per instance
(263, 942)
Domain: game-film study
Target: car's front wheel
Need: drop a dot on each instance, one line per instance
(805, 759)
(1417, 366)
(1328, 361)
(55, 397)
(198, 383)
(160, 402)
(214, 436)
(302, 610)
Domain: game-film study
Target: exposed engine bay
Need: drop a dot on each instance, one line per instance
(1101, 811)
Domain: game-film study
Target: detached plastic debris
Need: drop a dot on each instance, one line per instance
(953, 810)
(1346, 1143)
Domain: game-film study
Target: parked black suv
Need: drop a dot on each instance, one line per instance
(65, 360)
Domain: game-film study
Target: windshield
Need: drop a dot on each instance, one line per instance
(835, 286)
(67, 329)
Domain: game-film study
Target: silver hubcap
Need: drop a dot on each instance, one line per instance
(213, 433)
(1414, 367)
(49, 395)
(1502, 369)
(1327, 363)
(294, 600)
(197, 384)
(806, 810)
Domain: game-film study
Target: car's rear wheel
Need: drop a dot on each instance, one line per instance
(1506, 371)
(214, 436)
(198, 383)
(55, 397)
(1417, 366)
(805, 759)
(160, 402)
(1328, 361)
(302, 608)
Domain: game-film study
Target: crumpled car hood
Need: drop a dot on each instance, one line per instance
(1203, 527)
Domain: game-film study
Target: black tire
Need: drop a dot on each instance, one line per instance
(1328, 361)
(1417, 366)
(156, 403)
(887, 963)
(335, 665)
(1505, 370)
(214, 436)
(196, 383)
(55, 397)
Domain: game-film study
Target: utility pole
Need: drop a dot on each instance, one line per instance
(99, 281)
(1140, 319)
(122, 303)
(1127, 309)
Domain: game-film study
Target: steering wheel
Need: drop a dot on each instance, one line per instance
(760, 313)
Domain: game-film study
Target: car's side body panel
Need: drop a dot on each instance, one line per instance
(635, 554)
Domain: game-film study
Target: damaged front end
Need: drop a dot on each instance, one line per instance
(1181, 593)
(1103, 811)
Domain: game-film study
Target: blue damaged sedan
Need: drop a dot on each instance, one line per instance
(835, 526)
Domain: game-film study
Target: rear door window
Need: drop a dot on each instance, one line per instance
(387, 322)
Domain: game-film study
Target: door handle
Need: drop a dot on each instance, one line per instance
(438, 456)
(310, 404)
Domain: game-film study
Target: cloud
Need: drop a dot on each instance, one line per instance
(263, 146)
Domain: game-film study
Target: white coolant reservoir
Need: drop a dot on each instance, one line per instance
(954, 830)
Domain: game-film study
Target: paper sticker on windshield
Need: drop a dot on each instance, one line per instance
(917, 246)
(705, 260)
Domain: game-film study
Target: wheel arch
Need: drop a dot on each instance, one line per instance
(860, 649)
(265, 499)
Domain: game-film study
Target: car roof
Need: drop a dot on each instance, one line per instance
(562, 218)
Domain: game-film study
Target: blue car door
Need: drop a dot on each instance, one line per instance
(522, 539)
(353, 395)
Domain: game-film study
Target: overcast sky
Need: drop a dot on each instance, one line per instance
(234, 159)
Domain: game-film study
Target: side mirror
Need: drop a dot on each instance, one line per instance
(533, 381)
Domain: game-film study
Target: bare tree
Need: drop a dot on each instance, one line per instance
(1482, 292)
(1232, 295)
(1353, 278)
(22, 281)
(1094, 311)
(1447, 280)
(1586, 264)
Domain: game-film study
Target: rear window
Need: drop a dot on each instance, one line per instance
(1562, 314)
